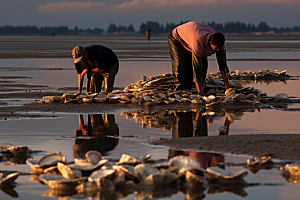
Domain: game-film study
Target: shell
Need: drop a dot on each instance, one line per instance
(292, 169)
(51, 159)
(160, 178)
(186, 100)
(219, 174)
(196, 101)
(87, 166)
(195, 179)
(196, 171)
(69, 101)
(102, 97)
(228, 91)
(128, 169)
(87, 100)
(59, 182)
(126, 159)
(8, 179)
(281, 97)
(258, 160)
(93, 157)
(144, 170)
(96, 176)
(19, 150)
(68, 96)
(183, 161)
(67, 172)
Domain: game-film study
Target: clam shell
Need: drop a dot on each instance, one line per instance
(69, 101)
(281, 97)
(196, 101)
(128, 169)
(216, 173)
(186, 100)
(87, 166)
(102, 97)
(93, 157)
(87, 100)
(96, 176)
(194, 179)
(144, 170)
(160, 178)
(33, 164)
(67, 172)
(8, 179)
(68, 96)
(59, 182)
(183, 161)
(51, 159)
(126, 159)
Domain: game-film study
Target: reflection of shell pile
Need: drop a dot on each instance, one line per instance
(95, 174)
(291, 172)
(158, 90)
(159, 119)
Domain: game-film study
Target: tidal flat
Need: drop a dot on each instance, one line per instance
(36, 66)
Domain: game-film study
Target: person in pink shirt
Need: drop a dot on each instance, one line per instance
(190, 44)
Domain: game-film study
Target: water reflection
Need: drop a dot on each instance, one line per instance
(187, 123)
(99, 133)
(9, 190)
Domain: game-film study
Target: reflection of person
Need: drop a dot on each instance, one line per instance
(224, 130)
(97, 129)
(148, 33)
(190, 44)
(99, 63)
(185, 126)
(205, 159)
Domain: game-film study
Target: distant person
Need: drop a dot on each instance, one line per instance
(52, 33)
(99, 63)
(148, 33)
(190, 44)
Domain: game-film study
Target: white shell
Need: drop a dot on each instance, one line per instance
(93, 157)
(281, 97)
(100, 174)
(8, 179)
(126, 159)
(59, 182)
(160, 178)
(195, 179)
(51, 159)
(258, 160)
(216, 173)
(183, 161)
(144, 170)
(128, 169)
(67, 172)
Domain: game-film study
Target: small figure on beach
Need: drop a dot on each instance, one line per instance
(190, 44)
(99, 63)
(148, 33)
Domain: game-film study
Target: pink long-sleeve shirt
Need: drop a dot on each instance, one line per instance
(194, 37)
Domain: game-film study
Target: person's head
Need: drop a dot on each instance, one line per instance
(217, 41)
(78, 53)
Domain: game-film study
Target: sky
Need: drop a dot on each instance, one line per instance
(93, 13)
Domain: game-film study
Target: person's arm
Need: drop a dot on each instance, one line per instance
(222, 62)
(80, 80)
(198, 70)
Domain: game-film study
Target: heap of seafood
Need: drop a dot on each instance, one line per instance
(158, 90)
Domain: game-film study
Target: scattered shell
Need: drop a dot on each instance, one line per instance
(67, 172)
(93, 157)
(102, 97)
(68, 96)
(258, 160)
(128, 169)
(129, 160)
(51, 159)
(196, 101)
(195, 179)
(219, 174)
(8, 179)
(59, 182)
(281, 97)
(96, 176)
(144, 170)
(183, 161)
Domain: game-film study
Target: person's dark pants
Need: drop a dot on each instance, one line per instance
(182, 64)
(96, 80)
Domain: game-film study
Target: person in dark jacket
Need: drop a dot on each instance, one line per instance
(99, 63)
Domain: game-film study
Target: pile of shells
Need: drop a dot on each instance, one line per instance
(158, 90)
(261, 74)
(291, 172)
(97, 174)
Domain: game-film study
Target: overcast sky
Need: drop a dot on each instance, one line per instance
(91, 14)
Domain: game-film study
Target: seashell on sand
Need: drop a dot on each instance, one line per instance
(126, 159)
(93, 157)
(8, 179)
(67, 172)
(219, 174)
(59, 182)
(183, 161)
(144, 170)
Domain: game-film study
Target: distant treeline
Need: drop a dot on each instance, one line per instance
(228, 27)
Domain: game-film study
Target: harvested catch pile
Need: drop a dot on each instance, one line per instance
(158, 90)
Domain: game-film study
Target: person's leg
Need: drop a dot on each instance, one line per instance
(109, 77)
(189, 72)
(96, 83)
(178, 62)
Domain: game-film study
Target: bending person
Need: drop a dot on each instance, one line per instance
(99, 63)
(190, 44)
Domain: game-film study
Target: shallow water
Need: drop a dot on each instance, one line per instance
(128, 134)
